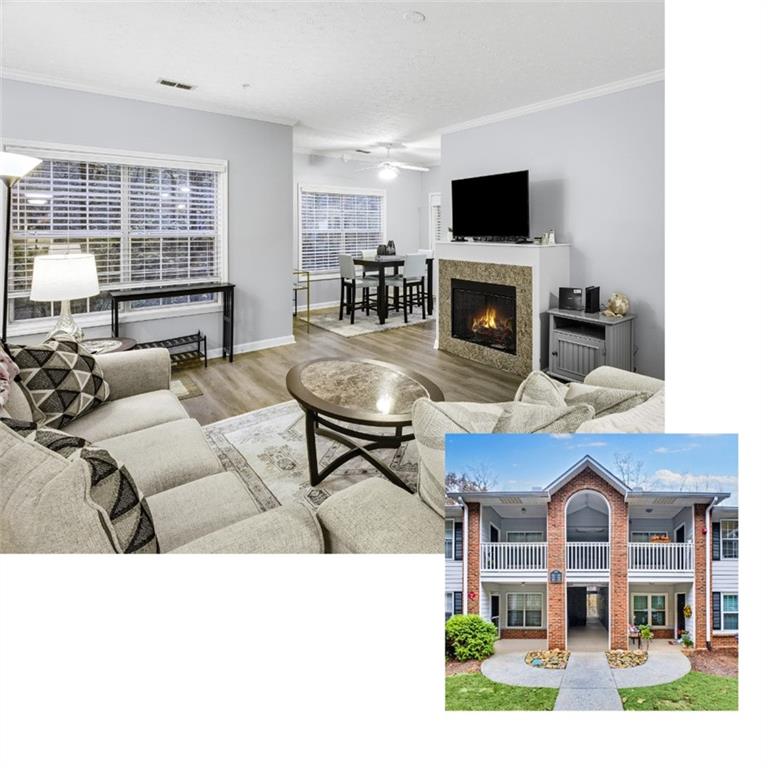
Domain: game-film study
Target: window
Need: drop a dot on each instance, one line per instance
(147, 221)
(518, 537)
(453, 604)
(646, 536)
(730, 610)
(729, 539)
(334, 220)
(658, 610)
(454, 540)
(525, 609)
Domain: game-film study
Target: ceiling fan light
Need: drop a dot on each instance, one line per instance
(388, 172)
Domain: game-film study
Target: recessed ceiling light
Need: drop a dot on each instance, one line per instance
(415, 17)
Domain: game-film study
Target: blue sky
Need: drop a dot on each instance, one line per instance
(673, 462)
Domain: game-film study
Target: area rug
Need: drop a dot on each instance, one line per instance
(183, 387)
(364, 323)
(267, 449)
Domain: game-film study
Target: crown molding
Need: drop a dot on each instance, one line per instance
(559, 101)
(54, 82)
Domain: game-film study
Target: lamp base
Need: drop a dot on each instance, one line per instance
(66, 325)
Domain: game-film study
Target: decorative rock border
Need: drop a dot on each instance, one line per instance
(626, 659)
(555, 659)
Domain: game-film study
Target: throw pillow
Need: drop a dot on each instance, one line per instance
(8, 372)
(648, 417)
(124, 510)
(529, 418)
(61, 379)
(605, 400)
(540, 389)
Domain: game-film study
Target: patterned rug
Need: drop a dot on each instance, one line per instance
(184, 387)
(267, 449)
(364, 323)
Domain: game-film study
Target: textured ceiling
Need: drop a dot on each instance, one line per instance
(347, 74)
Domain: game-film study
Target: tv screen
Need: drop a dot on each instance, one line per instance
(491, 206)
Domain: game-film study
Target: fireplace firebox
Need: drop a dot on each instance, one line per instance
(485, 314)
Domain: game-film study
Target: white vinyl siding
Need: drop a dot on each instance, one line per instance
(147, 222)
(454, 575)
(725, 571)
(335, 220)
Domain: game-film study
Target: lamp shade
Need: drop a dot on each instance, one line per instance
(57, 276)
(13, 166)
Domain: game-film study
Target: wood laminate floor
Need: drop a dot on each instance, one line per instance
(257, 379)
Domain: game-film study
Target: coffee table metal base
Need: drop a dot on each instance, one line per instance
(317, 425)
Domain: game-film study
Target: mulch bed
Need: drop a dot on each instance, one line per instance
(453, 667)
(550, 659)
(626, 659)
(725, 663)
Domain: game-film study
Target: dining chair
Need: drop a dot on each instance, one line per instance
(412, 279)
(349, 282)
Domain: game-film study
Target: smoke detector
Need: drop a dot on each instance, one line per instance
(414, 17)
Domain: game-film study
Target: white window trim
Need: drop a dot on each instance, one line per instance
(723, 630)
(331, 274)
(722, 549)
(452, 523)
(452, 597)
(507, 625)
(538, 533)
(51, 150)
(650, 596)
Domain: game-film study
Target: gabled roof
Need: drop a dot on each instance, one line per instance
(587, 463)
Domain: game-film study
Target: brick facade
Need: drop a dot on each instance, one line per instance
(473, 557)
(557, 620)
(524, 634)
(700, 543)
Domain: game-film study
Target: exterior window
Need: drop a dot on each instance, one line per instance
(146, 224)
(729, 539)
(525, 609)
(333, 221)
(449, 539)
(641, 537)
(454, 540)
(655, 605)
(453, 604)
(730, 610)
(519, 537)
(448, 605)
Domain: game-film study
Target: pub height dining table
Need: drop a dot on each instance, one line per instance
(381, 264)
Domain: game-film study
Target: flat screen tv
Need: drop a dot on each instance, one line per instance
(491, 206)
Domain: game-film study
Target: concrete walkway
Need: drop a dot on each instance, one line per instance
(660, 668)
(588, 684)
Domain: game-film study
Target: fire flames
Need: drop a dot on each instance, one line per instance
(485, 321)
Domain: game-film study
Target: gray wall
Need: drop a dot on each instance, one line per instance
(260, 159)
(403, 200)
(597, 177)
(430, 182)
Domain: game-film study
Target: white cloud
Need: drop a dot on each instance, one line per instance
(681, 449)
(594, 444)
(687, 481)
(561, 436)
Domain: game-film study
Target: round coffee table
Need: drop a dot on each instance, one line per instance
(103, 346)
(357, 391)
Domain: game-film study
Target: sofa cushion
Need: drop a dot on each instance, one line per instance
(61, 379)
(195, 509)
(285, 530)
(432, 421)
(8, 372)
(540, 389)
(47, 507)
(165, 455)
(129, 414)
(17, 405)
(647, 417)
(605, 400)
(375, 516)
(111, 489)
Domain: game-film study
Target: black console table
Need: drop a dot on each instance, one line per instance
(227, 291)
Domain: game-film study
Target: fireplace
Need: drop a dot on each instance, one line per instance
(484, 314)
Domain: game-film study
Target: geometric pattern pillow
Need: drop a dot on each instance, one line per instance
(124, 511)
(61, 379)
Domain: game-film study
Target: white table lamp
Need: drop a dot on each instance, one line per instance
(64, 273)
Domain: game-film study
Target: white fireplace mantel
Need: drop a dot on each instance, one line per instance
(550, 268)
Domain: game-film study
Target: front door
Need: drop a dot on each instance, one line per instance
(495, 609)
(680, 611)
(493, 534)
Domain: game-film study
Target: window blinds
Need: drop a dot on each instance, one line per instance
(332, 223)
(145, 225)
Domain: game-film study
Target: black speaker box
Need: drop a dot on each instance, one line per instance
(592, 299)
(571, 298)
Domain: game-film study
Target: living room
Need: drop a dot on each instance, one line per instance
(244, 159)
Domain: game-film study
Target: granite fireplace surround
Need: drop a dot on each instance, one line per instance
(521, 363)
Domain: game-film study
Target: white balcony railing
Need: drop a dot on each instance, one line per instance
(660, 557)
(588, 555)
(513, 557)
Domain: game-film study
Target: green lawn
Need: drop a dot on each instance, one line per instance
(474, 691)
(695, 691)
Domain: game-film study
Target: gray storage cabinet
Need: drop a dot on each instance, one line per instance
(580, 342)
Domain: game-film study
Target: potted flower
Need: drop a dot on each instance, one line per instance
(646, 634)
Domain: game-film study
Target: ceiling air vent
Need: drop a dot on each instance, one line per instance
(363, 151)
(174, 84)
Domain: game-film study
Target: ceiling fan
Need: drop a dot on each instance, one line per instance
(390, 169)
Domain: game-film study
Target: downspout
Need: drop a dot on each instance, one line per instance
(708, 544)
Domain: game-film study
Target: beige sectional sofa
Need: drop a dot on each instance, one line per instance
(197, 507)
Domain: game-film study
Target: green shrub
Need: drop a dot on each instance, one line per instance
(469, 637)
